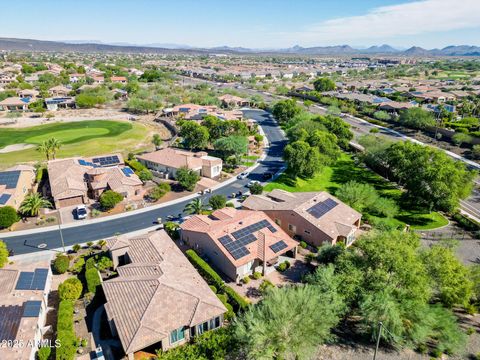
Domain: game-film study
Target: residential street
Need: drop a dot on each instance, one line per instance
(136, 221)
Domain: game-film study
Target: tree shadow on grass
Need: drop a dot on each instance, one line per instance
(346, 170)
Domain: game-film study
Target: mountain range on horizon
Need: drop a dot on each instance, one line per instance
(15, 44)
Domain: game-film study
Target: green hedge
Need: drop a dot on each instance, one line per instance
(93, 279)
(136, 165)
(466, 223)
(65, 332)
(212, 278)
(205, 270)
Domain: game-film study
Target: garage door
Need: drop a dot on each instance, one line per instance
(77, 200)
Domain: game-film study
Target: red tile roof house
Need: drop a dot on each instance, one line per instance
(24, 289)
(314, 217)
(74, 180)
(119, 79)
(237, 242)
(158, 300)
(232, 100)
(166, 162)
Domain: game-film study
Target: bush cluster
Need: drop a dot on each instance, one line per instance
(61, 264)
(65, 331)
(212, 278)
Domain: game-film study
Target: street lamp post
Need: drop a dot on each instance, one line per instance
(60, 229)
(380, 325)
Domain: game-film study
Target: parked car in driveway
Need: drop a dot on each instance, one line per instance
(242, 175)
(251, 183)
(81, 212)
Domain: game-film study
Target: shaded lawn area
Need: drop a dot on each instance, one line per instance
(83, 138)
(345, 170)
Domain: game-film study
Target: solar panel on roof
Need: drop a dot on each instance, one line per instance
(106, 160)
(39, 279)
(24, 281)
(32, 308)
(278, 246)
(4, 198)
(9, 178)
(321, 208)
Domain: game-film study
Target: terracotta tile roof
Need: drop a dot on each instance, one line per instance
(337, 221)
(176, 158)
(228, 220)
(68, 177)
(157, 293)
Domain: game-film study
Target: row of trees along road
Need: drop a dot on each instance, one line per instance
(430, 177)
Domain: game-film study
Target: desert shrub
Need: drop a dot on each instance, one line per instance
(70, 289)
(61, 264)
(109, 199)
(93, 279)
(8, 217)
(257, 275)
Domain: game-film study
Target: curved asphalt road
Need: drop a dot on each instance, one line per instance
(23, 244)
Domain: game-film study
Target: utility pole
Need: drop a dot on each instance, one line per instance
(380, 325)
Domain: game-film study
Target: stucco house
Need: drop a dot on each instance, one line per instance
(314, 217)
(158, 301)
(74, 180)
(238, 242)
(166, 162)
(15, 183)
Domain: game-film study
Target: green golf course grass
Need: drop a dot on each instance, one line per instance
(81, 138)
(330, 178)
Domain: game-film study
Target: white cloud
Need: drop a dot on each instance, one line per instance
(413, 18)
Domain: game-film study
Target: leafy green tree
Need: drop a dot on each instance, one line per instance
(327, 145)
(104, 263)
(430, 176)
(109, 199)
(334, 110)
(324, 84)
(338, 127)
(217, 201)
(194, 136)
(145, 175)
(358, 196)
(232, 146)
(194, 207)
(32, 204)
(381, 115)
(157, 140)
(290, 322)
(3, 254)
(256, 189)
(302, 160)
(416, 118)
(451, 279)
(187, 178)
(70, 289)
(284, 110)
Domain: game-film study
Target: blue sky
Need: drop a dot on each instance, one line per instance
(248, 23)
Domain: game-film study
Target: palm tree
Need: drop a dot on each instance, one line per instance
(44, 148)
(194, 207)
(32, 204)
(54, 145)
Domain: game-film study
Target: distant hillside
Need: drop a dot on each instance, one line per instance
(12, 44)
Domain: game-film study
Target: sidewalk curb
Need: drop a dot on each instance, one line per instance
(132, 212)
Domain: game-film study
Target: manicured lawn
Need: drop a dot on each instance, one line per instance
(344, 170)
(82, 138)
